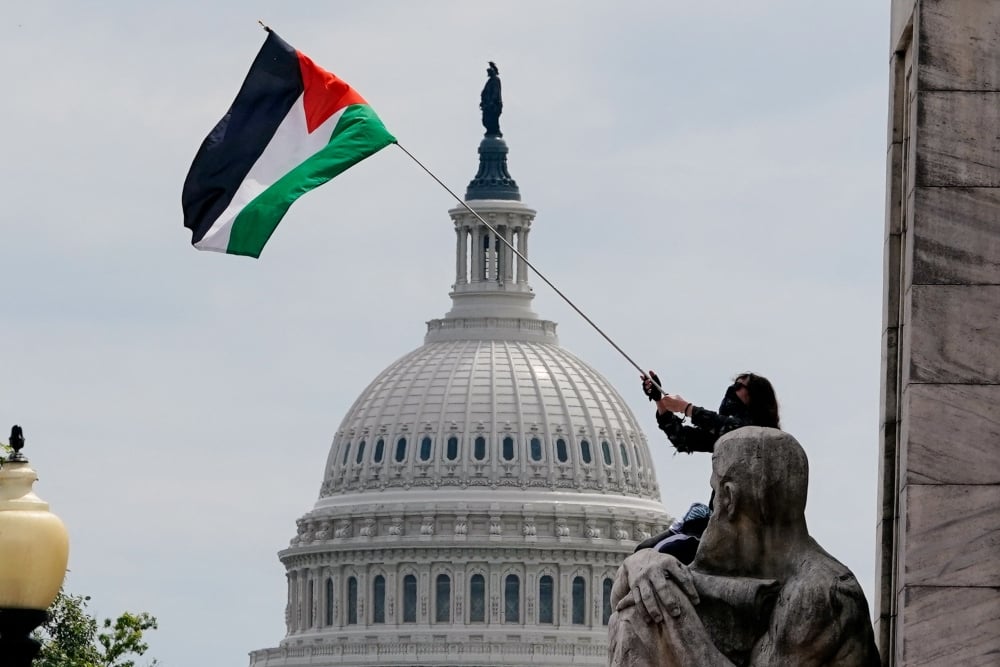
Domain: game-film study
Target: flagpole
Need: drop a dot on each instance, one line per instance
(524, 259)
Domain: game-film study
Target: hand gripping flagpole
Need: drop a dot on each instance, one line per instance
(531, 266)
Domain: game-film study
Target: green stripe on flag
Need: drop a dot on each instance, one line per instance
(359, 134)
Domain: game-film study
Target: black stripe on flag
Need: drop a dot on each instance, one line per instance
(234, 144)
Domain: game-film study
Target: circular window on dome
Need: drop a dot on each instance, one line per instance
(536, 449)
(585, 451)
(479, 449)
(452, 448)
(379, 451)
(508, 448)
(426, 448)
(606, 451)
(562, 453)
(400, 450)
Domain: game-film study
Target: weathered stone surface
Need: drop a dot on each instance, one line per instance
(902, 10)
(956, 238)
(951, 434)
(948, 627)
(759, 589)
(959, 41)
(957, 135)
(953, 535)
(953, 334)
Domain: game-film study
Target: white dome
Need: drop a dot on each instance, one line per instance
(479, 495)
(501, 414)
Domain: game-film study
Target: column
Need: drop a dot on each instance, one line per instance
(477, 254)
(508, 256)
(462, 255)
(938, 578)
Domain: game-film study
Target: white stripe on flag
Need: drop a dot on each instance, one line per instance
(291, 145)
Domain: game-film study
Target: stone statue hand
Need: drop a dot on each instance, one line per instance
(652, 582)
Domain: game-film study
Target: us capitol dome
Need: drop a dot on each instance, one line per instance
(481, 492)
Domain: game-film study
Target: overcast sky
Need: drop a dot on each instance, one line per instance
(709, 182)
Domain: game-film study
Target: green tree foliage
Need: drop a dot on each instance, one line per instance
(72, 637)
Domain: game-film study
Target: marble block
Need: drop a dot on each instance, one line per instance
(956, 238)
(957, 139)
(901, 12)
(959, 41)
(947, 627)
(951, 434)
(952, 535)
(953, 334)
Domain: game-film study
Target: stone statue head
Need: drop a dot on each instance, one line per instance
(760, 478)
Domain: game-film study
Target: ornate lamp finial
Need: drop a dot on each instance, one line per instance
(17, 443)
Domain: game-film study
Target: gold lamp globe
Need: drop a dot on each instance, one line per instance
(34, 544)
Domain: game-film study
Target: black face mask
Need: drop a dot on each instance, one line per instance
(732, 406)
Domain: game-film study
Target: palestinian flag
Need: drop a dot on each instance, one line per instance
(292, 127)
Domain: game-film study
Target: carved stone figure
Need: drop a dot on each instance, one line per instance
(491, 103)
(344, 528)
(760, 592)
(427, 527)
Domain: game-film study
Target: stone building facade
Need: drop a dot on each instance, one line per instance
(482, 491)
(938, 581)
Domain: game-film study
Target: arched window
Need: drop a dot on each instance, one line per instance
(508, 448)
(425, 449)
(361, 453)
(606, 450)
(400, 450)
(347, 452)
(479, 452)
(545, 595)
(378, 599)
(310, 588)
(562, 454)
(328, 621)
(606, 605)
(477, 599)
(409, 599)
(379, 451)
(624, 453)
(442, 599)
(585, 451)
(452, 448)
(536, 449)
(512, 599)
(352, 601)
(579, 600)
(638, 459)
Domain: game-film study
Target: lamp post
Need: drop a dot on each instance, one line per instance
(34, 550)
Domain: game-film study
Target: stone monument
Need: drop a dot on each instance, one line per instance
(760, 591)
(938, 578)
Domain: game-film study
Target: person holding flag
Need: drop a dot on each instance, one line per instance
(749, 401)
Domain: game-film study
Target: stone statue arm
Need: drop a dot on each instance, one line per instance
(654, 623)
(820, 622)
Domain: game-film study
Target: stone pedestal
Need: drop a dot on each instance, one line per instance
(938, 597)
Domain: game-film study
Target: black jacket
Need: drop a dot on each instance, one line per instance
(706, 426)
